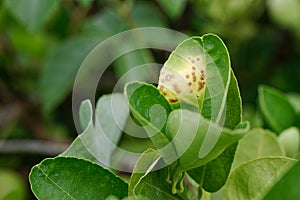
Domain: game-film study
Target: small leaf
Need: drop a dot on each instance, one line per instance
(151, 109)
(253, 179)
(98, 141)
(148, 181)
(287, 187)
(85, 114)
(255, 144)
(73, 178)
(290, 139)
(276, 109)
(31, 13)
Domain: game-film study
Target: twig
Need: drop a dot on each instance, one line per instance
(31, 147)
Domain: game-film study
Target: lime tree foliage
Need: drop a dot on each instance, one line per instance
(44, 42)
(199, 147)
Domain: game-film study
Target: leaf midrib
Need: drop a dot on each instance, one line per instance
(55, 184)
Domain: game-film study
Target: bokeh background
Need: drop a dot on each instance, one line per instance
(43, 43)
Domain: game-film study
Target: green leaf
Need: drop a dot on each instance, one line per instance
(133, 66)
(198, 73)
(253, 179)
(31, 13)
(151, 109)
(289, 19)
(294, 99)
(98, 141)
(276, 109)
(60, 68)
(12, 186)
(287, 187)
(214, 174)
(255, 144)
(106, 23)
(188, 131)
(141, 11)
(148, 181)
(174, 9)
(85, 114)
(85, 3)
(290, 139)
(73, 178)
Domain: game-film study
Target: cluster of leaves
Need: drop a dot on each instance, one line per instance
(44, 42)
(261, 165)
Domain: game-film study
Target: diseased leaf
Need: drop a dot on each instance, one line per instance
(73, 178)
(253, 179)
(276, 109)
(255, 144)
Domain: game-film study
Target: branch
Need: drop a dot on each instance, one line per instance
(31, 147)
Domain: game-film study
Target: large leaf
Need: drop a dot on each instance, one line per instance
(256, 144)
(252, 180)
(213, 175)
(73, 178)
(60, 67)
(287, 187)
(188, 131)
(149, 181)
(98, 141)
(31, 13)
(276, 109)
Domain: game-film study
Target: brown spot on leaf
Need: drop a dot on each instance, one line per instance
(187, 76)
(194, 78)
(168, 77)
(176, 88)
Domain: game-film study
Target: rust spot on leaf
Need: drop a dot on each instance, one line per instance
(176, 88)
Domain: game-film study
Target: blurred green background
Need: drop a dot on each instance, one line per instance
(43, 42)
